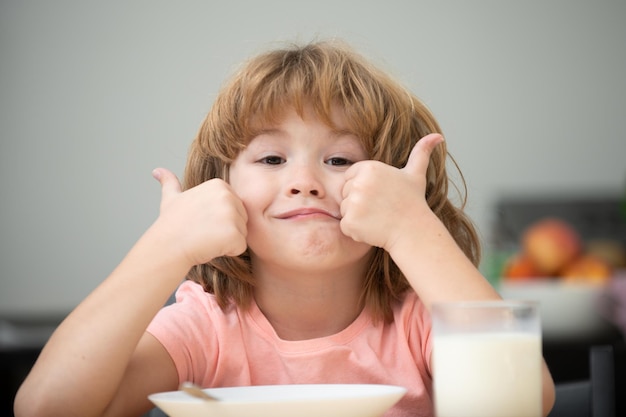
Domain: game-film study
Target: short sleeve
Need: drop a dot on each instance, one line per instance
(415, 320)
(185, 329)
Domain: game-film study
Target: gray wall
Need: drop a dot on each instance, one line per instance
(93, 95)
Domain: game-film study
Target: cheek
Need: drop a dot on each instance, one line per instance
(251, 196)
(241, 181)
(256, 195)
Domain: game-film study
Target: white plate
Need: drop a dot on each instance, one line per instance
(322, 400)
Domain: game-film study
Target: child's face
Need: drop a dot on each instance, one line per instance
(290, 178)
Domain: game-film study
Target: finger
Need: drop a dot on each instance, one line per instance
(343, 208)
(239, 205)
(345, 191)
(170, 185)
(242, 213)
(353, 172)
(420, 155)
(348, 177)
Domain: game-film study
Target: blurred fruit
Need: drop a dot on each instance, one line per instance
(518, 267)
(611, 251)
(588, 268)
(551, 244)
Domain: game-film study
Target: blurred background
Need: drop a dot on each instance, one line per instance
(93, 95)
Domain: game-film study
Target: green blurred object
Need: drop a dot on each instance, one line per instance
(493, 265)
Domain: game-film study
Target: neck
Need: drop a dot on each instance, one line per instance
(302, 306)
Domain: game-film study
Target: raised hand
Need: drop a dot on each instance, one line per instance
(205, 222)
(382, 202)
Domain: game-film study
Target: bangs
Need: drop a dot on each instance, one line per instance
(325, 76)
(314, 75)
(321, 78)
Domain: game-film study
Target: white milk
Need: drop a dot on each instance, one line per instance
(487, 375)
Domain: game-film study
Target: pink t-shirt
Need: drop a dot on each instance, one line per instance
(237, 347)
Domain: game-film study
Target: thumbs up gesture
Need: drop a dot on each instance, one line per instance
(382, 202)
(204, 222)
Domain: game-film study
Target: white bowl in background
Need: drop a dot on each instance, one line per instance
(569, 310)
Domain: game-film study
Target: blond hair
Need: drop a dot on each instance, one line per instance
(384, 115)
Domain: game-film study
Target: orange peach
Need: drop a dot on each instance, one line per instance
(551, 244)
(519, 267)
(587, 268)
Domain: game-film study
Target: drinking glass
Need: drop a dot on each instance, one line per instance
(487, 359)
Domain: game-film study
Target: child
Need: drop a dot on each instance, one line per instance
(315, 231)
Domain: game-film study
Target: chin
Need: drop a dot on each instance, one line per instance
(313, 257)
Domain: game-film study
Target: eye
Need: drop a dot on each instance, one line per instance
(337, 161)
(272, 160)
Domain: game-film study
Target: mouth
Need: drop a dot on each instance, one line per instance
(308, 213)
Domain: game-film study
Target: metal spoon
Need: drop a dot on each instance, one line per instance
(195, 391)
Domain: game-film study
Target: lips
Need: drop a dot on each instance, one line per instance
(308, 212)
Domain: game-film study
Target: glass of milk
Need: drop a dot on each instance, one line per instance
(487, 359)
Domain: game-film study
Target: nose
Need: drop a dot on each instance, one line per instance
(305, 181)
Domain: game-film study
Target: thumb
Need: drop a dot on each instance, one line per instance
(170, 186)
(420, 155)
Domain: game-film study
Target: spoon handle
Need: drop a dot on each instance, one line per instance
(195, 391)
